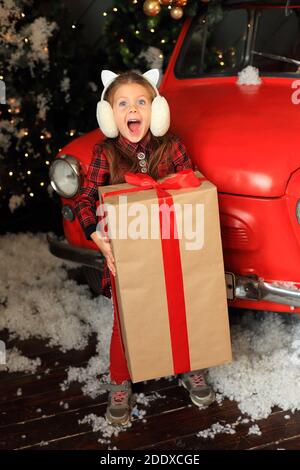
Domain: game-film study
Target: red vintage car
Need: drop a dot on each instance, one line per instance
(243, 138)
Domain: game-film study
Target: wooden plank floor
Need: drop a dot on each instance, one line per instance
(37, 417)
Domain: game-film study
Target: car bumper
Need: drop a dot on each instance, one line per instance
(256, 289)
(64, 250)
(238, 287)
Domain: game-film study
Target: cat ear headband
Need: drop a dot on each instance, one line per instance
(160, 112)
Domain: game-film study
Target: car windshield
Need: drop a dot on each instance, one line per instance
(221, 42)
(277, 41)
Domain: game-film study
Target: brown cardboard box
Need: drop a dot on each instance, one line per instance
(144, 296)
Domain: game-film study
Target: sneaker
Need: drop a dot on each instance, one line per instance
(119, 403)
(201, 394)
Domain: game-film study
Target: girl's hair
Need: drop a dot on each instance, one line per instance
(162, 147)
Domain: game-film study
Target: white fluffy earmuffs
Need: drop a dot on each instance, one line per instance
(160, 112)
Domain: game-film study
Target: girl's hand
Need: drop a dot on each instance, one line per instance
(105, 248)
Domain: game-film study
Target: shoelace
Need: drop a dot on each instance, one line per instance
(118, 397)
(198, 380)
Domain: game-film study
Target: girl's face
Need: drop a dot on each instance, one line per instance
(131, 106)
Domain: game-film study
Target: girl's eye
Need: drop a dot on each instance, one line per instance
(142, 101)
(122, 103)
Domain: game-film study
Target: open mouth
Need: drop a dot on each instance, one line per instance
(134, 125)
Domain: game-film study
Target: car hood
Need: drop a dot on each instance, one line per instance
(245, 139)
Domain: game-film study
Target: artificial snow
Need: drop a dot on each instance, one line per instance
(249, 76)
(15, 361)
(265, 371)
(38, 300)
(254, 430)
(216, 428)
(99, 424)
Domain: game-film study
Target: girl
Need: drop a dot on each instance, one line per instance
(135, 120)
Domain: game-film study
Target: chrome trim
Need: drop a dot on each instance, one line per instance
(74, 164)
(62, 249)
(253, 288)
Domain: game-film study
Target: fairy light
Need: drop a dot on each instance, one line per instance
(23, 15)
(26, 155)
(222, 63)
(104, 13)
(73, 26)
(161, 56)
(47, 162)
(42, 137)
(122, 40)
(152, 30)
(31, 194)
(42, 183)
(137, 32)
(26, 39)
(1, 77)
(115, 9)
(11, 173)
(28, 172)
(163, 41)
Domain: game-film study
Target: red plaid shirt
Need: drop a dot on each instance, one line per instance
(98, 175)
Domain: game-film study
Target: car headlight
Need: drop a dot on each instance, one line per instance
(64, 175)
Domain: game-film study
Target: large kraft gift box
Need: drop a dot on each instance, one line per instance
(170, 300)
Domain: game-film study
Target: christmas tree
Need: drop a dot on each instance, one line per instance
(142, 34)
(52, 85)
(49, 75)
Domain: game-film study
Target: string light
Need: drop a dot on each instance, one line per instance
(31, 194)
(137, 32)
(104, 13)
(42, 183)
(26, 154)
(28, 172)
(26, 39)
(47, 162)
(163, 41)
(73, 26)
(1, 77)
(10, 173)
(23, 15)
(152, 30)
(115, 9)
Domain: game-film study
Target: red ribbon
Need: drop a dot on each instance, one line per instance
(171, 258)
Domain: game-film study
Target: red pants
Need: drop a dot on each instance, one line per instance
(118, 364)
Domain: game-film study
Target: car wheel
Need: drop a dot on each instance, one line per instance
(93, 278)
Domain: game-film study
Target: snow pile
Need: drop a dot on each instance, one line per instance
(249, 76)
(218, 428)
(145, 400)
(215, 429)
(254, 430)
(15, 362)
(38, 300)
(99, 424)
(266, 368)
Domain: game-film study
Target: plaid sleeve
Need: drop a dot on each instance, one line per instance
(85, 202)
(181, 161)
